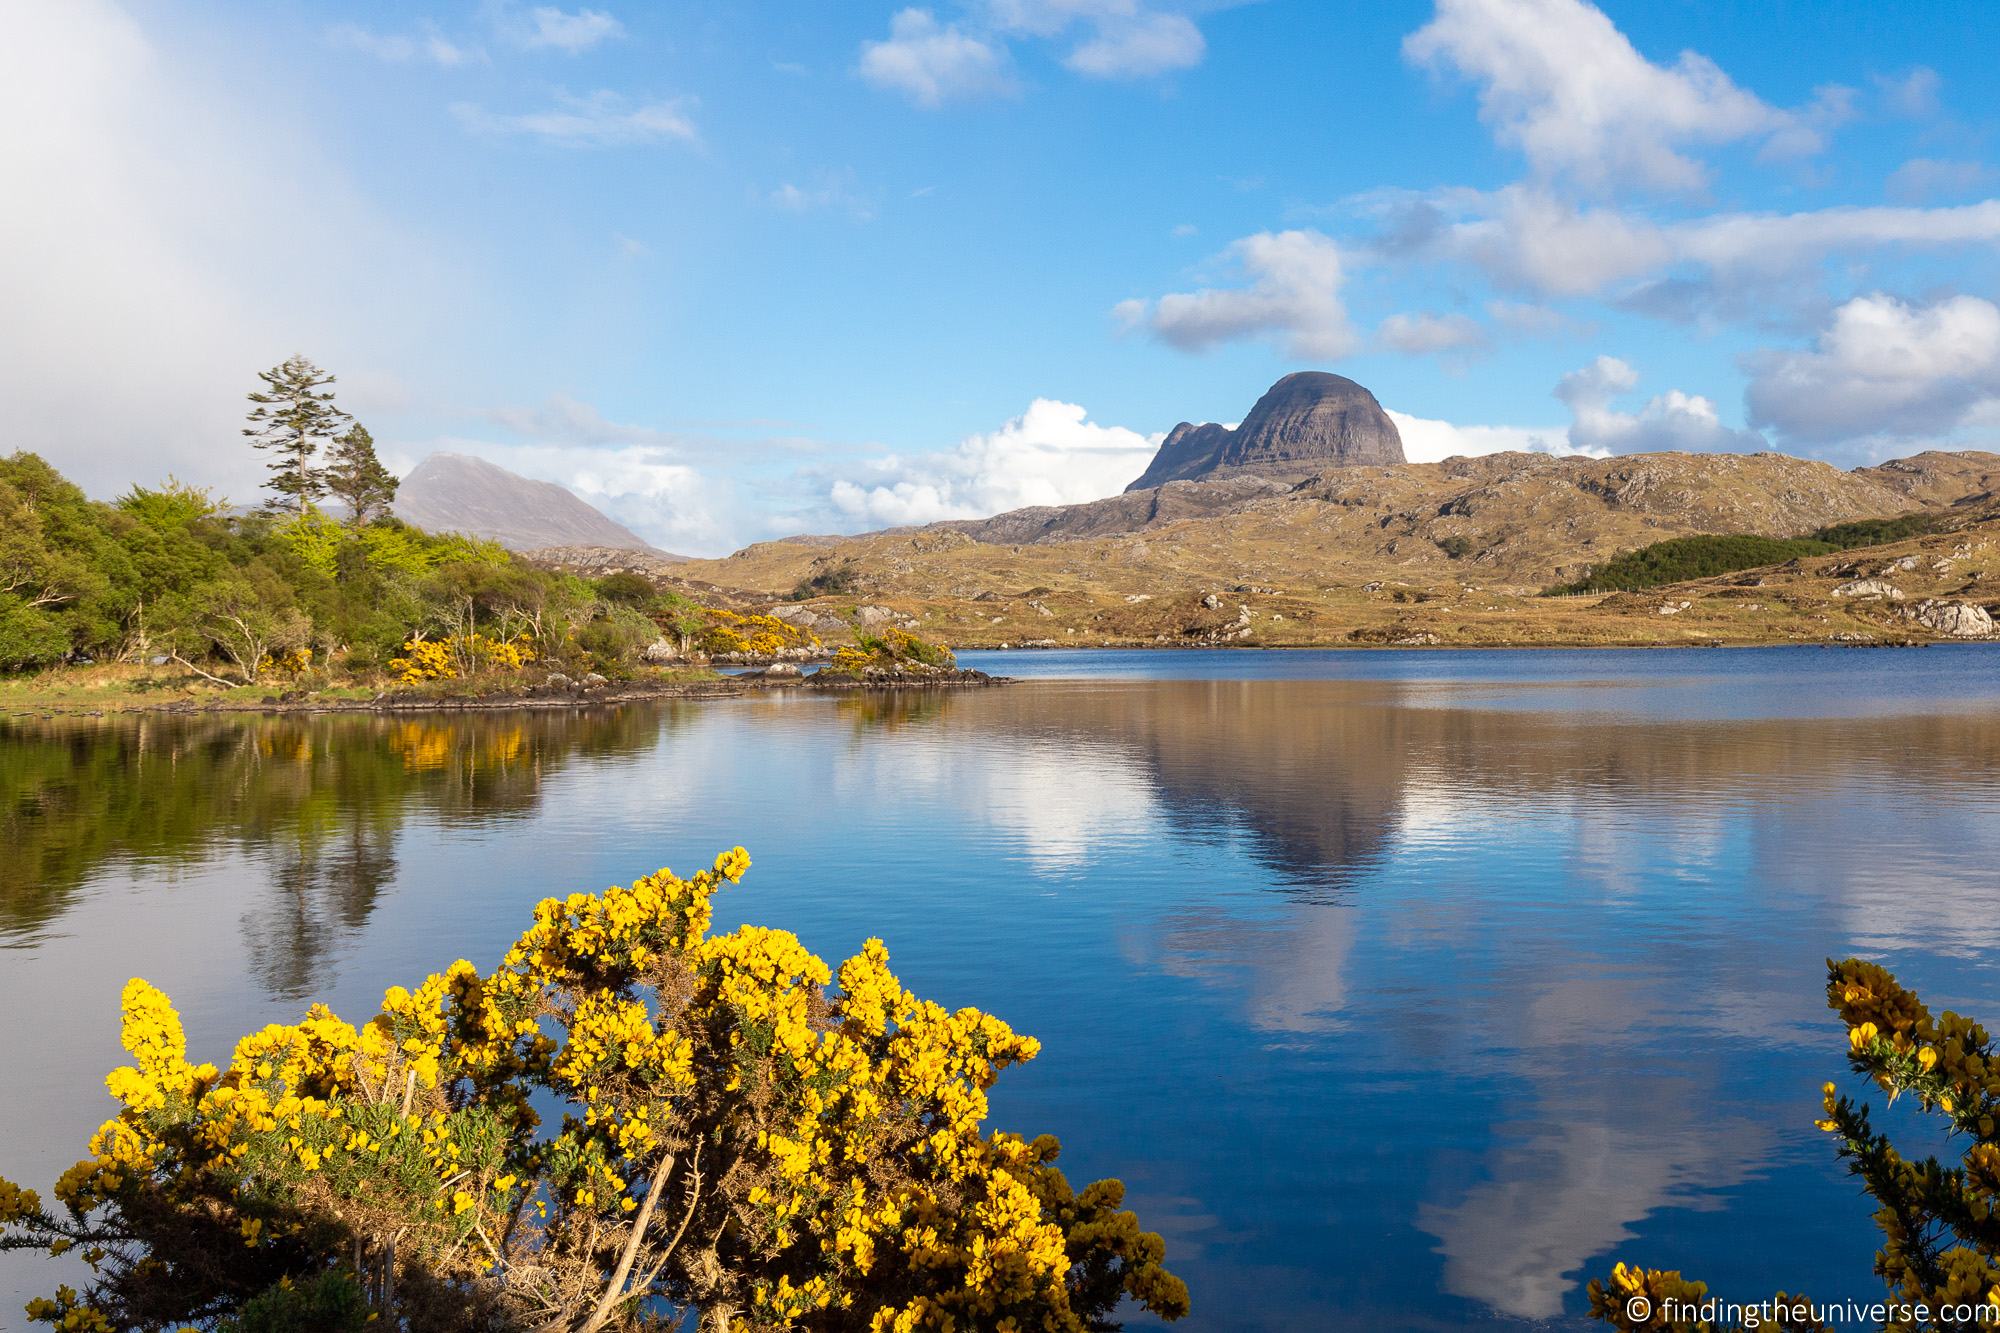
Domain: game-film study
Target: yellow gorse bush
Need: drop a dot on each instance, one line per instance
(292, 662)
(1940, 1255)
(459, 655)
(625, 1112)
(732, 632)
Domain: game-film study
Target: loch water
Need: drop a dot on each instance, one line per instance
(1405, 990)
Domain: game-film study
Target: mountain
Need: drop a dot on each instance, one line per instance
(1303, 425)
(1415, 549)
(459, 493)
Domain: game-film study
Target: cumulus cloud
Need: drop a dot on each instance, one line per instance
(427, 44)
(1673, 420)
(932, 63)
(602, 119)
(1884, 368)
(547, 28)
(1292, 294)
(1560, 82)
(1139, 45)
(1051, 454)
(1420, 333)
(1426, 440)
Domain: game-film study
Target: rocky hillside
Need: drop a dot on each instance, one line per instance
(459, 493)
(1303, 425)
(1458, 551)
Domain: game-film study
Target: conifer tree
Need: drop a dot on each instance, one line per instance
(356, 477)
(294, 417)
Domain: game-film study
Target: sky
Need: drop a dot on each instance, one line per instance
(732, 272)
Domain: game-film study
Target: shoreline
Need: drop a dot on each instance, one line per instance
(114, 700)
(533, 699)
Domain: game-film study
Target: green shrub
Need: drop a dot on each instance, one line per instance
(1684, 558)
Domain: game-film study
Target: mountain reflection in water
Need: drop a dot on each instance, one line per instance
(1399, 1003)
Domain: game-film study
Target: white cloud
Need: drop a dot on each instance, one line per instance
(566, 420)
(1421, 333)
(1052, 454)
(1139, 45)
(1928, 177)
(829, 190)
(669, 503)
(1528, 319)
(549, 28)
(1528, 239)
(933, 63)
(1295, 279)
(1429, 441)
(1884, 368)
(139, 307)
(1560, 82)
(1673, 420)
(601, 119)
(1913, 93)
(427, 44)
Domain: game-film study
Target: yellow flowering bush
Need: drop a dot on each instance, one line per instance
(1940, 1255)
(627, 1123)
(293, 662)
(734, 634)
(893, 652)
(459, 655)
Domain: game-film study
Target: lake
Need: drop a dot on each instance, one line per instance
(1405, 990)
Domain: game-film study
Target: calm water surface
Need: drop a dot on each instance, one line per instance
(1405, 990)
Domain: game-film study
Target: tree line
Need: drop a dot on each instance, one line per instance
(172, 574)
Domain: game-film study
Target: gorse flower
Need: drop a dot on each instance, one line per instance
(626, 1110)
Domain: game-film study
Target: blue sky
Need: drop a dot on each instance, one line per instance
(734, 271)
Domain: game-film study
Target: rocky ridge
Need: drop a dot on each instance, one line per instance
(1304, 424)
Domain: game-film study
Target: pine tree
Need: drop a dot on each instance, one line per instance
(293, 418)
(356, 478)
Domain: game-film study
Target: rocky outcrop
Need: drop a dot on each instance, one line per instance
(1957, 620)
(1303, 425)
(1869, 590)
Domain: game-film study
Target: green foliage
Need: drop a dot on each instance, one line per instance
(294, 418)
(1683, 558)
(1456, 547)
(628, 589)
(827, 578)
(331, 1302)
(167, 571)
(1876, 531)
(61, 567)
(893, 652)
(356, 478)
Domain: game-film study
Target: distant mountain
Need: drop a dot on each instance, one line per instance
(458, 493)
(1303, 425)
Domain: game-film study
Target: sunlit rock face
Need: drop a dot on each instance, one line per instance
(1303, 425)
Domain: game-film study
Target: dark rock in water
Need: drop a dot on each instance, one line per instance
(1303, 425)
